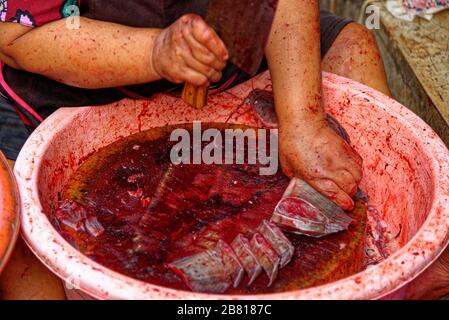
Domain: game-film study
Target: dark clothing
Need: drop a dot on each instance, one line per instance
(13, 133)
(330, 28)
(46, 95)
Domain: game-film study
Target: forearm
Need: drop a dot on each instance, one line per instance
(293, 54)
(97, 55)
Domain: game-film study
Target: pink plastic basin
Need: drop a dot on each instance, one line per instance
(406, 169)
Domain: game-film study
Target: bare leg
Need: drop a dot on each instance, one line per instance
(355, 55)
(25, 277)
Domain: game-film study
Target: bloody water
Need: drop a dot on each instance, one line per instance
(128, 208)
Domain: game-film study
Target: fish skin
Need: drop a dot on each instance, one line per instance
(303, 210)
(242, 249)
(203, 272)
(266, 255)
(230, 262)
(290, 221)
(278, 242)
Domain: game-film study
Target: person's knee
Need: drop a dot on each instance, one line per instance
(355, 55)
(353, 51)
(358, 39)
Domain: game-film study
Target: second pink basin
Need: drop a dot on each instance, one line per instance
(406, 169)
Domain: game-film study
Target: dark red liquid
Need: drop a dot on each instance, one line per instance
(154, 212)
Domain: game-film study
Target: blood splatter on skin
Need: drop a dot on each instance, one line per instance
(355, 55)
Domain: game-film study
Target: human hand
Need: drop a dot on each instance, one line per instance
(190, 51)
(318, 155)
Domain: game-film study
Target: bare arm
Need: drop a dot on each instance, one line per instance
(293, 54)
(101, 54)
(308, 148)
(96, 55)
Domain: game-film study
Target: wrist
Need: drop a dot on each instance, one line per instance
(155, 54)
(300, 125)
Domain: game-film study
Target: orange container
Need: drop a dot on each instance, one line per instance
(9, 211)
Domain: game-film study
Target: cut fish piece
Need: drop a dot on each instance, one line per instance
(297, 216)
(230, 262)
(71, 214)
(267, 257)
(242, 249)
(262, 102)
(93, 226)
(203, 272)
(317, 261)
(278, 241)
(303, 210)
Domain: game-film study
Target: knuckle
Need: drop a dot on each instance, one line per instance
(188, 17)
(198, 20)
(192, 16)
(177, 38)
(207, 36)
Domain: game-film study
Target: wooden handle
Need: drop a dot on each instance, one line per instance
(195, 96)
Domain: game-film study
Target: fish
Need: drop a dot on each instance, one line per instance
(203, 272)
(231, 262)
(216, 270)
(278, 241)
(266, 256)
(242, 248)
(303, 210)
